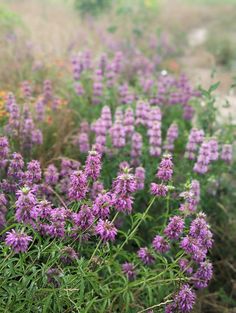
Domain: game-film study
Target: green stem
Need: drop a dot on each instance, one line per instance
(100, 241)
(135, 228)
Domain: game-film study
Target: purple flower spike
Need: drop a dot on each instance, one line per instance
(160, 244)
(106, 230)
(185, 299)
(18, 242)
(145, 256)
(129, 270)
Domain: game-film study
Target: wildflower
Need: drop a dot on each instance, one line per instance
(93, 165)
(117, 133)
(68, 255)
(172, 135)
(195, 137)
(96, 189)
(165, 170)
(142, 113)
(106, 230)
(194, 247)
(102, 204)
(175, 227)
(136, 146)
(124, 184)
(106, 116)
(18, 242)
(227, 153)
(26, 89)
(129, 121)
(47, 91)
(159, 190)
(42, 210)
(160, 244)
(129, 270)
(53, 276)
(185, 299)
(200, 230)
(154, 134)
(79, 89)
(204, 159)
(84, 218)
(4, 148)
(15, 168)
(145, 256)
(203, 275)
(40, 109)
(170, 308)
(140, 177)
(123, 204)
(33, 173)
(25, 202)
(214, 149)
(78, 186)
(51, 175)
(185, 266)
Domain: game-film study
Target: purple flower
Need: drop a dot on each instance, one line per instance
(52, 276)
(165, 170)
(159, 190)
(68, 255)
(214, 149)
(26, 89)
(3, 203)
(195, 137)
(83, 142)
(175, 227)
(96, 189)
(123, 204)
(170, 308)
(160, 244)
(124, 184)
(129, 121)
(145, 256)
(25, 202)
(4, 148)
(16, 165)
(204, 159)
(117, 133)
(51, 175)
(203, 275)
(34, 173)
(106, 230)
(193, 247)
(106, 116)
(47, 91)
(18, 242)
(93, 165)
(129, 270)
(136, 146)
(200, 230)
(185, 299)
(154, 134)
(140, 177)
(172, 135)
(142, 113)
(227, 153)
(84, 218)
(102, 204)
(42, 210)
(184, 264)
(78, 186)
